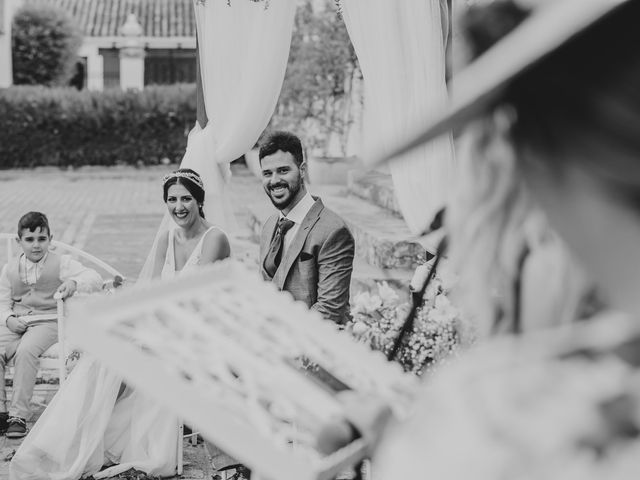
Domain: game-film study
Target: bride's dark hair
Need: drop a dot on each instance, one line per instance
(190, 180)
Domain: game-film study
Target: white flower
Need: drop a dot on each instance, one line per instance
(387, 294)
(359, 328)
(364, 302)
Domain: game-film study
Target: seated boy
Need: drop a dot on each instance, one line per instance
(28, 325)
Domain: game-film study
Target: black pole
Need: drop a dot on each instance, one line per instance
(407, 326)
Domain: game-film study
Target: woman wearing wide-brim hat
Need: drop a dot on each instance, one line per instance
(562, 91)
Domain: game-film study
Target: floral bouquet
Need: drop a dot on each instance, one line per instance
(434, 336)
(378, 318)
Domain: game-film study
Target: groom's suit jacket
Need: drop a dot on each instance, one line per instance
(316, 267)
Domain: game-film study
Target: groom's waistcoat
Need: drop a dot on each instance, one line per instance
(38, 298)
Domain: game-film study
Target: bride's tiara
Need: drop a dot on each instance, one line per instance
(194, 177)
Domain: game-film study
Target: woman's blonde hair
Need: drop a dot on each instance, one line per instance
(485, 221)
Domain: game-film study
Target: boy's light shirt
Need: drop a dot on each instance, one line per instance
(87, 280)
(29, 271)
(297, 215)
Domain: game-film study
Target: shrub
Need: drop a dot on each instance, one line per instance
(45, 46)
(315, 96)
(66, 127)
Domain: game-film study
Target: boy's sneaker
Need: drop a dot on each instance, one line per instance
(4, 422)
(17, 427)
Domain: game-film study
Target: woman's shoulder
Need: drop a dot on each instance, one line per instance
(215, 244)
(214, 233)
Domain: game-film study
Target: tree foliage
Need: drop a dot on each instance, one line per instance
(45, 46)
(317, 84)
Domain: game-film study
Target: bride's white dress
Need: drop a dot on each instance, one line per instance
(88, 425)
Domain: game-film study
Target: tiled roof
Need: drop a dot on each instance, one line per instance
(103, 18)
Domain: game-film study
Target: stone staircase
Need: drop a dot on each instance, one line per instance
(385, 248)
(374, 187)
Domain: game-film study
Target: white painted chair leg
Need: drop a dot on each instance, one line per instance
(179, 452)
(62, 368)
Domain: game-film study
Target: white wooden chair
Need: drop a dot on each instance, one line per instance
(54, 359)
(220, 348)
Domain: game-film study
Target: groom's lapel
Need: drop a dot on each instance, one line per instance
(296, 245)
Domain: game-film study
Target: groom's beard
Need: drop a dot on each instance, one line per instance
(285, 201)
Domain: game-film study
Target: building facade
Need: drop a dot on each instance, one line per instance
(132, 43)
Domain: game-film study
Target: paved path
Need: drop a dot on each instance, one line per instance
(112, 213)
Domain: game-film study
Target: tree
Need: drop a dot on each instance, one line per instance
(45, 46)
(316, 91)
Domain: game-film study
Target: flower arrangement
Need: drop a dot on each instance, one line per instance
(434, 337)
(378, 318)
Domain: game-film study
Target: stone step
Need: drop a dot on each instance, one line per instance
(375, 187)
(382, 240)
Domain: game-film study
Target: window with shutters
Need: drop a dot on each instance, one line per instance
(167, 66)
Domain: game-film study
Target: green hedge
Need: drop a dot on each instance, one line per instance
(65, 127)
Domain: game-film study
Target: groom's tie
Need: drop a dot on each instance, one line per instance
(272, 260)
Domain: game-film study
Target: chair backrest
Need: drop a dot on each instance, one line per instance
(108, 273)
(111, 278)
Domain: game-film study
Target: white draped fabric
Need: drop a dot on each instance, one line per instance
(400, 48)
(243, 57)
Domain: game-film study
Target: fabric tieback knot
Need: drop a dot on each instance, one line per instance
(272, 260)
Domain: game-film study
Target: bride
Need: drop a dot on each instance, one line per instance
(96, 425)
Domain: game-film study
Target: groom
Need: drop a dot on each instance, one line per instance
(305, 248)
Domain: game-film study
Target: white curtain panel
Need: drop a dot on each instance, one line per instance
(400, 48)
(243, 57)
(243, 50)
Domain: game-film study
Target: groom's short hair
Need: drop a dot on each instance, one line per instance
(282, 141)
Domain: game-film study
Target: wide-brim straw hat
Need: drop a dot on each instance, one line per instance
(479, 85)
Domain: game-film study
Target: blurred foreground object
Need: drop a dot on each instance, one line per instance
(560, 404)
(255, 372)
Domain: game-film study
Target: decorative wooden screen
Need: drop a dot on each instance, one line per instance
(224, 350)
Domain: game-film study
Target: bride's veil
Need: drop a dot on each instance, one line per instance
(215, 176)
